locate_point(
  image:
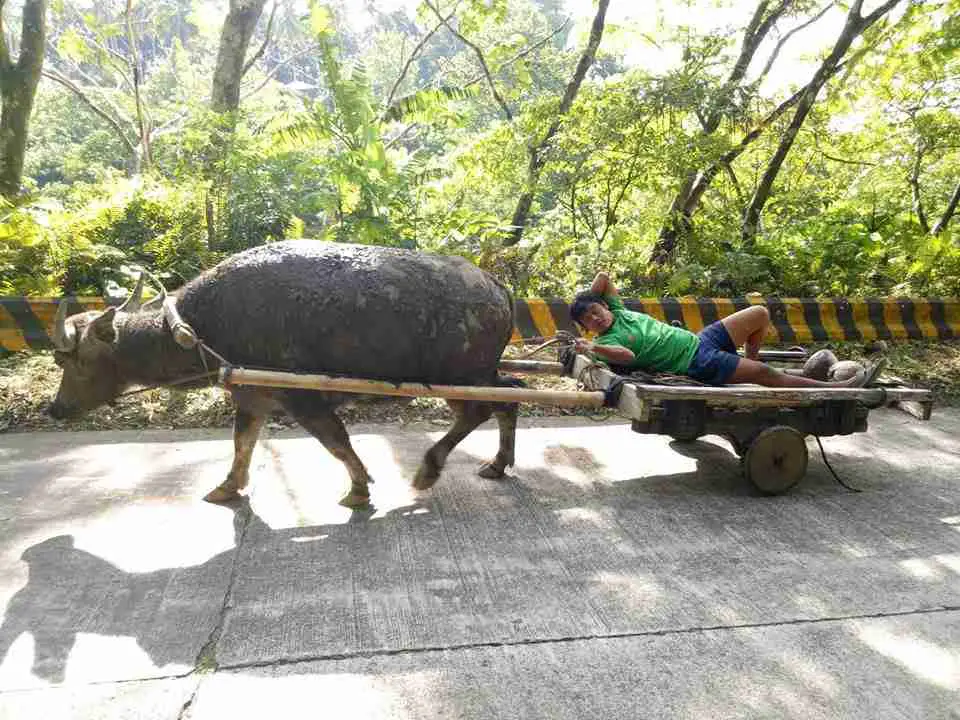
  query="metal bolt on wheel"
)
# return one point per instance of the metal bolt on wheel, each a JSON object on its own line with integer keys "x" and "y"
{"x": 776, "y": 460}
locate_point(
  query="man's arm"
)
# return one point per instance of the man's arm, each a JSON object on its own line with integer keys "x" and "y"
{"x": 617, "y": 354}
{"x": 603, "y": 285}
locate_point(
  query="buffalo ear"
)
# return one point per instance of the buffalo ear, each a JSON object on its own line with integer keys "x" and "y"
{"x": 102, "y": 327}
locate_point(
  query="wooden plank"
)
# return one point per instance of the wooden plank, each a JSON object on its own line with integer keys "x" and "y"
{"x": 277, "y": 379}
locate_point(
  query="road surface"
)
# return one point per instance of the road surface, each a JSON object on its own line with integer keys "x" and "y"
{"x": 612, "y": 575}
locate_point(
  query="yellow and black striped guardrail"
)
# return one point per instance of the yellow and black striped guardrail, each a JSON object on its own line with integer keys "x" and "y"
{"x": 26, "y": 323}
{"x": 793, "y": 320}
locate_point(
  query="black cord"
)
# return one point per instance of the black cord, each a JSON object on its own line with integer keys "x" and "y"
{"x": 830, "y": 468}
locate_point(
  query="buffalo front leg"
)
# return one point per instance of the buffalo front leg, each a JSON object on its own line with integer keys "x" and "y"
{"x": 469, "y": 414}
{"x": 507, "y": 422}
{"x": 326, "y": 427}
{"x": 246, "y": 430}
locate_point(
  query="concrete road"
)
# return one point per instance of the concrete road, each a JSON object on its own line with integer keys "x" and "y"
{"x": 613, "y": 575}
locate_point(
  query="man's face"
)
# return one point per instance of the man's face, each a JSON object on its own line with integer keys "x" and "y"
{"x": 596, "y": 318}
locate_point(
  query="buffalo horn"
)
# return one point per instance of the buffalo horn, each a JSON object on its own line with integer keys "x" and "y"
{"x": 156, "y": 300}
{"x": 64, "y": 339}
{"x": 132, "y": 303}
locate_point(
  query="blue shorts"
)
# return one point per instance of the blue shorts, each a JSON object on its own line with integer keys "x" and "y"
{"x": 716, "y": 358}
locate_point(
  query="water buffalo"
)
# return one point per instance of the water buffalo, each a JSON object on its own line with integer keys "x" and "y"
{"x": 336, "y": 308}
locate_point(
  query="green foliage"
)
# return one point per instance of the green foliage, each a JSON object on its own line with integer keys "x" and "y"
{"x": 27, "y": 252}
{"x": 147, "y": 223}
{"x": 329, "y": 144}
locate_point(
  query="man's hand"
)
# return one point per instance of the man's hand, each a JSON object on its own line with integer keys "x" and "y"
{"x": 583, "y": 346}
{"x": 603, "y": 285}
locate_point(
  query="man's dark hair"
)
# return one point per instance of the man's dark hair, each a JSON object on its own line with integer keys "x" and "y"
{"x": 583, "y": 301}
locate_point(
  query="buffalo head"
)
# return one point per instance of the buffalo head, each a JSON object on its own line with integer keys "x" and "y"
{"x": 85, "y": 347}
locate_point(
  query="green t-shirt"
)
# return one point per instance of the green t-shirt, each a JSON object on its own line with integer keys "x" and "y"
{"x": 658, "y": 347}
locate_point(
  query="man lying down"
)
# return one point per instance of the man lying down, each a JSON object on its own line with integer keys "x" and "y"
{"x": 637, "y": 341}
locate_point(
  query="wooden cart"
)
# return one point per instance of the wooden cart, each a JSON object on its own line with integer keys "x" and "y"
{"x": 767, "y": 427}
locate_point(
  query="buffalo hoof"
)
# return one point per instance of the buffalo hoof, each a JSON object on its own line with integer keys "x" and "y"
{"x": 221, "y": 495}
{"x": 491, "y": 471}
{"x": 425, "y": 478}
{"x": 355, "y": 501}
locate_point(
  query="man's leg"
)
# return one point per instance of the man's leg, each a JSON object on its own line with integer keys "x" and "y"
{"x": 758, "y": 373}
{"x": 748, "y": 327}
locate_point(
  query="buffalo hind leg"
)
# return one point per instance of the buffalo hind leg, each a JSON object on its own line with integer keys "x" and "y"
{"x": 507, "y": 422}
{"x": 246, "y": 429}
{"x": 326, "y": 427}
{"x": 470, "y": 414}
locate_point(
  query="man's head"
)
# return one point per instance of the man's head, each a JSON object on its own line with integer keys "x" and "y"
{"x": 591, "y": 312}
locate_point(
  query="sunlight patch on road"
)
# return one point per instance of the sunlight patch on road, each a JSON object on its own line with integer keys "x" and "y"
{"x": 922, "y": 658}
{"x": 346, "y": 695}
{"x": 296, "y": 482}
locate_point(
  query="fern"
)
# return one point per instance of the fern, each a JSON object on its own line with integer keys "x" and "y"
{"x": 422, "y": 104}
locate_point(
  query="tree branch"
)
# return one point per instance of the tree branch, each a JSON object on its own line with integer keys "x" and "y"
{"x": 914, "y": 181}
{"x": 4, "y": 51}
{"x": 688, "y": 198}
{"x": 111, "y": 53}
{"x": 266, "y": 41}
{"x": 728, "y": 168}
{"x": 78, "y": 91}
{"x": 275, "y": 69}
{"x": 845, "y": 161}
{"x": 948, "y": 213}
{"x": 118, "y": 113}
{"x": 479, "y": 53}
{"x": 520, "y": 214}
{"x": 413, "y": 55}
{"x": 523, "y": 53}
{"x": 753, "y": 36}
{"x": 783, "y": 41}
{"x": 138, "y": 100}
{"x": 393, "y": 141}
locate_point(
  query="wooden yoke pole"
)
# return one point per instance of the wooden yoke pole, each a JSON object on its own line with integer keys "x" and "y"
{"x": 272, "y": 378}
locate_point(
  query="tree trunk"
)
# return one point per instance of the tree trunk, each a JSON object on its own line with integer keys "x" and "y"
{"x": 677, "y": 224}
{"x": 537, "y": 151}
{"x": 235, "y": 37}
{"x": 143, "y": 158}
{"x": 914, "y": 181}
{"x": 854, "y": 26}
{"x": 18, "y": 87}
{"x": 688, "y": 198}
{"x": 948, "y": 213}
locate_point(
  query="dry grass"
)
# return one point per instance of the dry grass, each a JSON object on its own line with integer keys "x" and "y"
{"x": 28, "y": 381}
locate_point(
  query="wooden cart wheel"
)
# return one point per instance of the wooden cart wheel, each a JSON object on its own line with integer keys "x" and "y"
{"x": 776, "y": 459}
